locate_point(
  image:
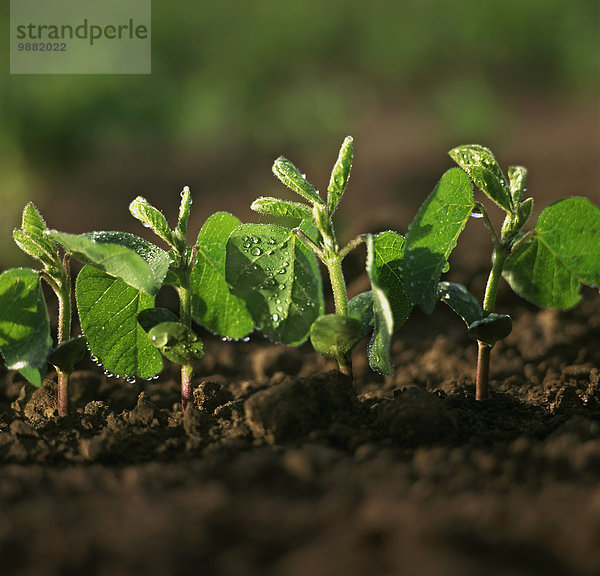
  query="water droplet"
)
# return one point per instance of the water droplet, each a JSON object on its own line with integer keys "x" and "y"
{"x": 282, "y": 270}
{"x": 247, "y": 245}
{"x": 246, "y": 339}
{"x": 476, "y": 215}
{"x": 282, "y": 286}
{"x": 275, "y": 317}
{"x": 255, "y": 240}
{"x": 256, "y": 251}
{"x": 109, "y": 374}
{"x": 271, "y": 241}
{"x": 279, "y": 309}
{"x": 130, "y": 380}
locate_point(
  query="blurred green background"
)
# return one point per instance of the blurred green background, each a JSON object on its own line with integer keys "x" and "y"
{"x": 235, "y": 83}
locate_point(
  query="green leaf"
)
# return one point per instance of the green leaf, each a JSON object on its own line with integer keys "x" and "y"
{"x": 389, "y": 259}
{"x": 134, "y": 260}
{"x": 549, "y": 268}
{"x": 276, "y": 207}
{"x": 479, "y": 163}
{"x": 31, "y": 238}
{"x": 517, "y": 176}
{"x": 108, "y": 311}
{"x": 380, "y": 358}
{"x": 214, "y": 305}
{"x": 361, "y": 308}
{"x": 340, "y": 174}
{"x": 184, "y": 212}
{"x": 151, "y": 218}
{"x": 24, "y": 325}
{"x": 150, "y": 317}
{"x": 433, "y": 234}
{"x": 176, "y": 342}
{"x": 295, "y": 180}
{"x": 67, "y": 354}
{"x": 278, "y": 277}
{"x": 335, "y": 336}
{"x": 459, "y": 299}
{"x": 492, "y": 328}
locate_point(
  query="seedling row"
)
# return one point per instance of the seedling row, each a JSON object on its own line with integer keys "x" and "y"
{"x": 240, "y": 277}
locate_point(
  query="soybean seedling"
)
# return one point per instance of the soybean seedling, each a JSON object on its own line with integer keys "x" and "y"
{"x": 546, "y": 265}
{"x": 25, "y": 340}
{"x": 275, "y": 270}
{"x": 126, "y": 334}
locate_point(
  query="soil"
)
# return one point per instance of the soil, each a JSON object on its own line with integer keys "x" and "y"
{"x": 284, "y": 467}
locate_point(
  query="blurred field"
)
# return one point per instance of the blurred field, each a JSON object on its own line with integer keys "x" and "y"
{"x": 236, "y": 83}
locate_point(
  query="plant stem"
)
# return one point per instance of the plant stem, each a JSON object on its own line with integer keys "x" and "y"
{"x": 185, "y": 315}
{"x": 64, "y": 333}
{"x": 340, "y": 299}
{"x": 500, "y": 254}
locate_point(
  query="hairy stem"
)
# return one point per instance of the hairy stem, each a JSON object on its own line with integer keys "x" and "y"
{"x": 187, "y": 370}
{"x": 64, "y": 333}
{"x": 340, "y": 299}
{"x": 500, "y": 254}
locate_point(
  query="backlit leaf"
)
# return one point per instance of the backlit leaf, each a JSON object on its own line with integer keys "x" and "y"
{"x": 24, "y": 325}
{"x": 214, "y": 305}
{"x": 389, "y": 257}
{"x": 151, "y": 218}
{"x": 134, "y": 260}
{"x": 479, "y": 163}
{"x": 433, "y": 234}
{"x": 108, "y": 312}
{"x": 340, "y": 174}
{"x": 563, "y": 253}
{"x": 277, "y": 207}
{"x": 295, "y": 180}
{"x": 380, "y": 358}
{"x": 279, "y": 279}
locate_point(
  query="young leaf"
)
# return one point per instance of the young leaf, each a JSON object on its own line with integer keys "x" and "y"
{"x": 151, "y": 218}
{"x": 134, "y": 260}
{"x": 295, "y": 180}
{"x": 176, "y": 342}
{"x": 517, "y": 176}
{"x": 389, "y": 255}
{"x": 433, "y": 234}
{"x": 108, "y": 311}
{"x": 31, "y": 238}
{"x": 24, "y": 325}
{"x": 334, "y": 335}
{"x": 340, "y": 175}
{"x": 278, "y": 278}
{"x": 380, "y": 358}
{"x": 457, "y": 297}
{"x": 66, "y": 355}
{"x": 549, "y": 268}
{"x": 479, "y": 163}
{"x": 184, "y": 212}
{"x": 214, "y": 305}
{"x": 276, "y": 207}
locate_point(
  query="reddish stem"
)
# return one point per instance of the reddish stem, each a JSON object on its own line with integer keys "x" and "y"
{"x": 483, "y": 371}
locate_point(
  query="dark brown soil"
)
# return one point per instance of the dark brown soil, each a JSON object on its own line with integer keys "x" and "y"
{"x": 282, "y": 468}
